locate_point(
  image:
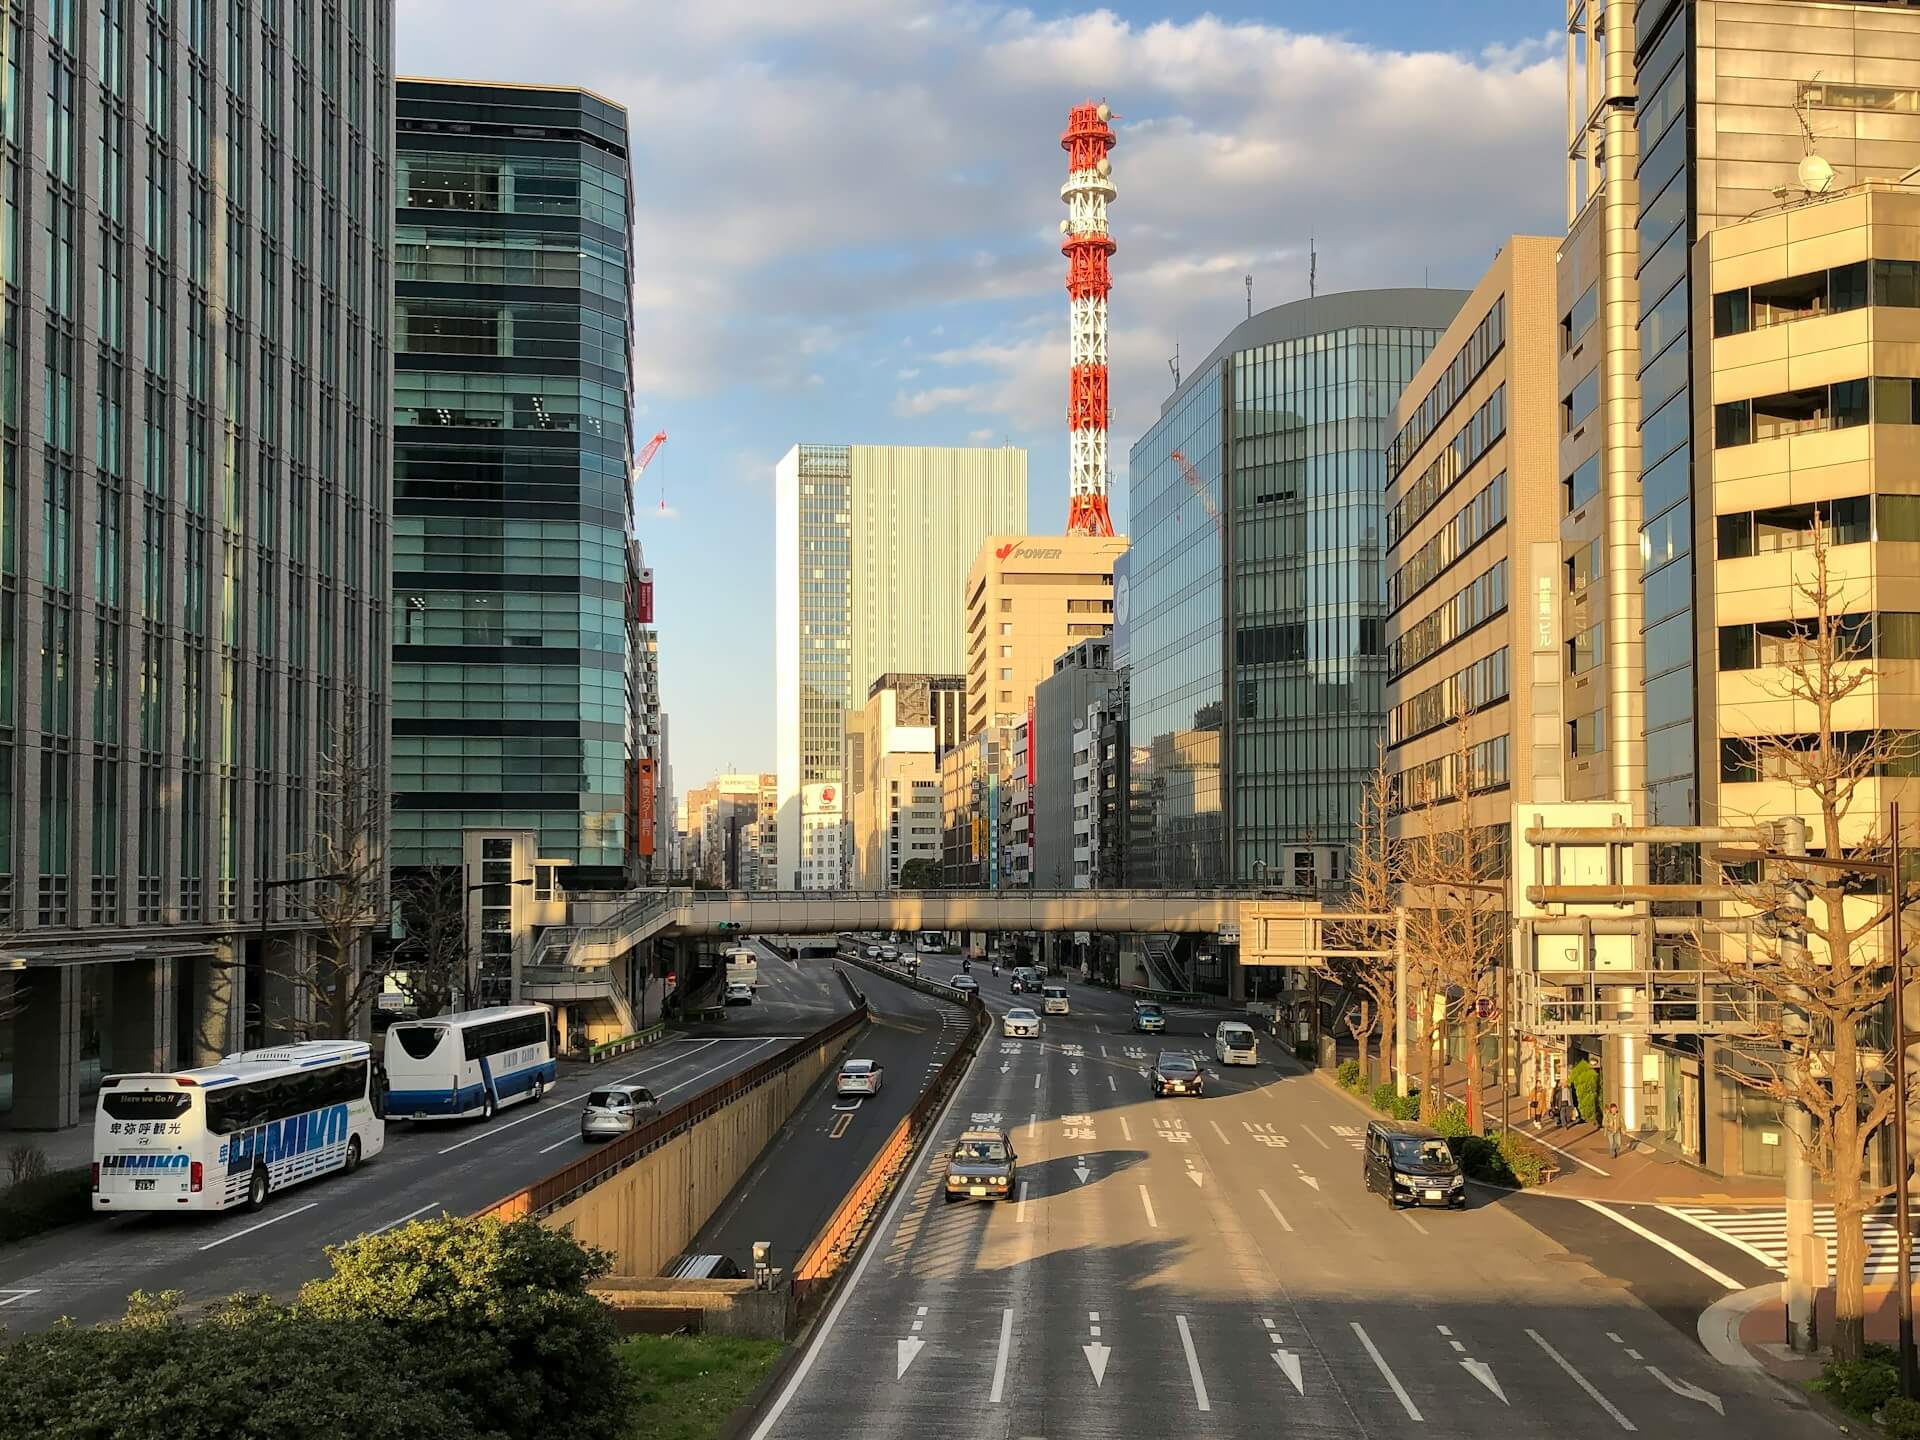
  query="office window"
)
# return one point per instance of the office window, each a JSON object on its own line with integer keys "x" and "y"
{"x": 1573, "y": 325}
{"x": 1586, "y": 734}
{"x": 1582, "y": 485}
{"x": 1579, "y": 402}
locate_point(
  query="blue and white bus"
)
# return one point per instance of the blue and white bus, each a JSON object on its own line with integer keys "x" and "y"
{"x": 232, "y": 1133}
{"x": 470, "y": 1063}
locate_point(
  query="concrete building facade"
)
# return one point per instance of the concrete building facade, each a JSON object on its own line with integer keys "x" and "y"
{"x": 871, "y": 546}
{"x": 1028, "y": 598}
{"x": 1060, "y": 779}
{"x": 895, "y": 743}
{"x": 1473, "y": 570}
{"x": 194, "y": 442}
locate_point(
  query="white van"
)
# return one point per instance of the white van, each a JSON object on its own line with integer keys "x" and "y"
{"x": 1053, "y": 999}
{"x": 1234, "y": 1044}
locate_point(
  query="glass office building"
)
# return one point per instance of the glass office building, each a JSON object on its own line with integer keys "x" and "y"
{"x": 1255, "y": 600}
{"x": 512, "y": 405}
{"x": 193, "y": 512}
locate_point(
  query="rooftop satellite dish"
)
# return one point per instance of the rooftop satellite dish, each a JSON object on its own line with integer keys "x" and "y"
{"x": 1816, "y": 175}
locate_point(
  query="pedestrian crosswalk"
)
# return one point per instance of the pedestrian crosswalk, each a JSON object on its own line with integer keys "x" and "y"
{"x": 1761, "y": 1231}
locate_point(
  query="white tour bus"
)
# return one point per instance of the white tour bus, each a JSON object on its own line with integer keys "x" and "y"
{"x": 743, "y": 966}
{"x": 230, "y": 1133}
{"x": 470, "y": 1063}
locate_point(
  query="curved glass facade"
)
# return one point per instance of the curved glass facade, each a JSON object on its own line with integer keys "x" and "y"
{"x": 512, "y": 414}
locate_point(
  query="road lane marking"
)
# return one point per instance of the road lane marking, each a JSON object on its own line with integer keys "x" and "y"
{"x": 1024, "y": 1216}
{"x": 1096, "y": 1352}
{"x": 1581, "y": 1380}
{"x": 1314, "y": 1135}
{"x": 1665, "y": 1244}
{"x": 382, "y": 1229}
{"x": 1216, "y": 1129}
{"x": 1688, "y": 1391}
{"x": 1193, "y": 1364}
{"x": 1033, "y": 1125}
{"x": 1125, "y": 1129}
{"x": 1000, "y": 1361}
{"x": 13, "y": 1297}
{"x": 1725, "y": 1238}
{"x": 563, "y": 1140}
{"x": 1414, "y": 1223}
{"x": 1393, "y": 1380}
{"x": 283, "y": 1215}
{"x": 1274, "y": 1210}
{"x": 1147, "y": 1201}
{"x": 1080, "y": 1168}
{"x": 540, "y": 1112}
{"x": 905, "y": 1352}
{"x": 840, "y": 1125}
{"x": 712, "y": 1069}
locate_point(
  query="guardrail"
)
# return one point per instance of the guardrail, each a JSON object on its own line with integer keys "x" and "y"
{"x": 625, "y": 1045}
{"x": 854, "y": 992}
{"x": 571, "y": 1181}
{"x": 1175, "y": 997}
{"x": 840, "y": 1238}
{"x": 901, "y": 976}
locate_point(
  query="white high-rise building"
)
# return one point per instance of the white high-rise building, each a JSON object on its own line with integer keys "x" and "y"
{"x": 871, "y": 550}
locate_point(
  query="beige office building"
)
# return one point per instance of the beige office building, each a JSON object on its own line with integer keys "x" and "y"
{"x": 1472, "y": 561}
{"x": 871, "y": 546}
{"x": 894, "y": 744}
{"x": 1028, "y": 599}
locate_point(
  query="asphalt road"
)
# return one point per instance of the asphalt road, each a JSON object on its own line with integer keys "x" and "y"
{"x": 807, "y": 1169}
{"x": 1213, "y": 1267}
{"x": 86, "y": 1271}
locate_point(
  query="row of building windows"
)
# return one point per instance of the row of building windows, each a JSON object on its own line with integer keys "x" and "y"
{"x": 563, "y": 260}
{"x": 1465, "y": 367}
{"x": 1880, "y": 400}
{"x": 1748, "y": 759}
{"x": 1470, "y": 442}
{"x": 514, "y": 185}
{"x": 1848, "y": 520}
{"x": 1818, "y": 292}
{"x": 1477, "y": 519}
{"x": 1863, "y": 635}
{"x": 1476, "y": 602}
{"x": 1469, "y": 689}
{"x": 1436, "y": 781}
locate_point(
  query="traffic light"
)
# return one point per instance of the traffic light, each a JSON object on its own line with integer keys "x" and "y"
{"x": 726, "y": 925}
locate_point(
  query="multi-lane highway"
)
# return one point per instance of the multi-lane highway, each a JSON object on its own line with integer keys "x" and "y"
{"x": 1214, "y": 1267}
{"x": 87, "y": 1270}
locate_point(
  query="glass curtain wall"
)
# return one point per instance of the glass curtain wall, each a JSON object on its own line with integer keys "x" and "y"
{"x": 512, "y": 434}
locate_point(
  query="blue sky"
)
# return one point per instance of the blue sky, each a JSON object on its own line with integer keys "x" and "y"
{"x": 848, "y": 215}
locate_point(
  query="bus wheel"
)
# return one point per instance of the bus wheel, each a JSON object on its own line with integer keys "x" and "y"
{"x": 488, "y": 1109}
{"x": 353, "y": 1154}
{"x": 539, "y": 1088}
{"x": 257, "y": 1188}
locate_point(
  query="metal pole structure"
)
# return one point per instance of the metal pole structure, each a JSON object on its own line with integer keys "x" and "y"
{"x": 1902, "y": 1223}
{"x": 1803, "y": 1274}
{"x": 1506, "y": 1042}
{"x": 1400, "y": 1001}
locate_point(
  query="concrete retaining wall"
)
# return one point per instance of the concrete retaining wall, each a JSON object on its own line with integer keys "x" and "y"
{"x": 647, "y": 1213}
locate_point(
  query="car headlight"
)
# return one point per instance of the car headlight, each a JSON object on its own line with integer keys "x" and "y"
{"x": 955, "y": 1181}
{"x": 1456, "y": 1182}
{"x": 1404, "y": 1181}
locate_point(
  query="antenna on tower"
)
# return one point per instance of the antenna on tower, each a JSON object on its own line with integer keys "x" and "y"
{"x": 1174, "y": 364}
{"x": 1313, "y": 269}
{"x": 1249, "y": 296}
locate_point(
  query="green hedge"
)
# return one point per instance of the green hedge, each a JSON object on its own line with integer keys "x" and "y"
{"x": 1506, "y": 1158}
{"x": 455, "y": 1329}
{"x": 1585, "y": 1081}
{"x": 1347, "y": 1074}
{"x": 1900, "y": 1418}
{"x": 45, "y": 1202}
{"x": 1860, "y": 1387}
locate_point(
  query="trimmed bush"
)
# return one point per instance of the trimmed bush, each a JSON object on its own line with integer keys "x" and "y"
{"x": 1347, "y": 1073}
{"x": 44, "y": 1201}
{"x": 1585, "y": 1081}
{"x": 1452, "y": 1121}
{"x": 1406, "y": 1107}
{"x": 1382, "y": 1098}
{"x": 1901, "y": 1418}
{"x": 497, "y": 1313}
{"x": 1528, "y": 1163}
{"x": 1861, "y": 1387}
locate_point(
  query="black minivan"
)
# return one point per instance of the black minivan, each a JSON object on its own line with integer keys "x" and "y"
{"x": 1412, "y": 1164}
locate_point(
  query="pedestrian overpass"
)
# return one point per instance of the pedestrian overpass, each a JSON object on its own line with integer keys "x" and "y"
{"x": 1269, "y": 929}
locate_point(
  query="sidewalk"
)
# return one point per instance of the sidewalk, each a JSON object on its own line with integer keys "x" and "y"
{"x": 1764, "y": 1330}
{"x": 1642, "y": 1174}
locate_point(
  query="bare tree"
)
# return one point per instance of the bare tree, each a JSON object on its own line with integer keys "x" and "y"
{"x": 430, "y": 966}
{"x": 1455, "y": 926}
{"x": 346, "y": 855}
{"x": 1372, "y": 889}
{"x": 1819, "y": 965}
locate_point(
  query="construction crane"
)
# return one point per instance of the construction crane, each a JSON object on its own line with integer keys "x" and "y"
{"x": 644, "y": 459}
{"x": 1199, "y": 488}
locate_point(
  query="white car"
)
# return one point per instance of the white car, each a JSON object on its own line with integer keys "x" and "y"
{"x": 860, "y": 1077}
{"x": 739, "y": 993}
{"x": 1234, "y": 1044}
{"x": 1020, "y": 1021}
{"x": 617, "y": 1110}
{"x": 873, "y": 952}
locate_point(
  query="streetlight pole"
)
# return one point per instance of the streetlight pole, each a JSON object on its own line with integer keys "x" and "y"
{"x": 1902, "y": 1221}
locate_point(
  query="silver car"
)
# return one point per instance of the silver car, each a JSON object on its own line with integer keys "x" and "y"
{"x": 860, "y": 1077}
{"x": 616, "y": 1110}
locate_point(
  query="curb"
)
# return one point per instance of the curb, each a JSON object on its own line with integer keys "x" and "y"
{"x": 1720, "y": 1323}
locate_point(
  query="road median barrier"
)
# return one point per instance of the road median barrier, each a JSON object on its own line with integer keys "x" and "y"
{"x": 626, "y": 1044}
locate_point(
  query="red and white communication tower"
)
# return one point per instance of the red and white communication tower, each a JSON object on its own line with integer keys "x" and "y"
{"x": 1088, "y": 140}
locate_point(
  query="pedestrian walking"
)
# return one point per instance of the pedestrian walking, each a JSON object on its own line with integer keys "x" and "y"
{"x": 1536, "y": 1104}
{"x": 1616, "y": 1130}
{"x": 1564, "y": 1113}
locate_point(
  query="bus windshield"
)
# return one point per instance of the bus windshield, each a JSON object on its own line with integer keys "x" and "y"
{"x": 419, "y": 1041}
{"x": 146, "y": 1104}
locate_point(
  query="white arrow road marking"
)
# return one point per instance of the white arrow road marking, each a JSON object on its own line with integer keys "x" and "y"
{"x": 1582, "y": 1381}
{"x": 904, "y": 1353}
{"x": 1193, "y": 1364}
{"x": 1688, "y": 1391}
{"x": 1306, "y": 1178}
{"x": 1081, "y": 1169}
{"x": 1393, "y": 1380}
{"x": 1005, "y": 1065}
{"x": 1097, "y": 1354}
{"x": 1483, "y": 1372}
{"x": 1000, "y": 1362}
{"x": 1073, "y": 1069}
{"x": 1289, "y": 1364}
{"x": 1195, "y": 1176}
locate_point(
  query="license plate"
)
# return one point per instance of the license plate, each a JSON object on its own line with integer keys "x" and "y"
{"x": 1435, "y": 1194}
{"x": 144, "y": 1184}
{"x": 978, "y": 1190}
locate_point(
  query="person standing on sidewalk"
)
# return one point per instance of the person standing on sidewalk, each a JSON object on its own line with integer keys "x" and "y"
{"x": 1615, "y": 1130}
{"x": 1536, "y": 1102}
